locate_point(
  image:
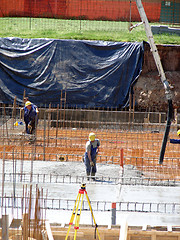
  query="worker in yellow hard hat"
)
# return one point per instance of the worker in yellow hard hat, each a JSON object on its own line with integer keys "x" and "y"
{"x": 26, "y": 99}
{"x": 92, "y": 149}
{"x": 30, "y": 117}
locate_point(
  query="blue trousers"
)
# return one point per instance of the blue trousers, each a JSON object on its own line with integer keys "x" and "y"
{"x": 90, "y": 169}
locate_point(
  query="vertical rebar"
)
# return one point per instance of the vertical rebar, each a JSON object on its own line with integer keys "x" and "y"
{"x": 61, "y": 108}
{"x": 3, "y": 135}
{"x": 22, "y": 154}
{"x": 49, "y": 122}
{"x": 14, "y": 112}
{"x": 44, "y": 148}
{"x": 30, "y": 207}
{"x": 3, "y": 172}
{"x": 32, "y": 160}
{"x": 133, "y": 105}
{"x": 6, "y": 125}
{"x": 57, "y": 118}
{"x": 64, "y": 115}
{"x": 14, "y": 176}
{"x": 130, "y": 103}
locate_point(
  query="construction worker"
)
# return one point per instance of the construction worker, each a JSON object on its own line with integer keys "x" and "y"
{"x": 30, "y": 117}
{"x": 92, "y": 149}
{"x": 23, "y": 109}
{"x": 176, "y": 140}
{"x": 26, "y": 99}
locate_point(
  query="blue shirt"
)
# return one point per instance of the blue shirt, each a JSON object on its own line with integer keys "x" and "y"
{"x": 30, "y": 115}
{"x": 92, "y": 147}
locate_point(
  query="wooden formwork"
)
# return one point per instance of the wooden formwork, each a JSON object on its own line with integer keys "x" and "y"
{"x": 116, "y": 233}
{"x": 88, "y": 233}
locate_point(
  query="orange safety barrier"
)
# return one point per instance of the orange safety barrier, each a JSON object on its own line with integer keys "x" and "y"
{"x": 87, "y": 9}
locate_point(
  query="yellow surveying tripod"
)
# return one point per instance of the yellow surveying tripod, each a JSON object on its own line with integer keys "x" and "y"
{"x": 77, "y": 212}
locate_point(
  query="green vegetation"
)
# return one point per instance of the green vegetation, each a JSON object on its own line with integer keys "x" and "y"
{"x": 78, "y": 29}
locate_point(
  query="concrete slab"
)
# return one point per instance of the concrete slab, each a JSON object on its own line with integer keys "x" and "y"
{"x": 107, "y": 192}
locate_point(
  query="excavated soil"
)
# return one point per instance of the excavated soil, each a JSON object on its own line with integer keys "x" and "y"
{"x": 149, "y": 90}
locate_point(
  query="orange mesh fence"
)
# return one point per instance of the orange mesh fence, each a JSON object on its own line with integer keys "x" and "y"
{"x": 116, "y": 10}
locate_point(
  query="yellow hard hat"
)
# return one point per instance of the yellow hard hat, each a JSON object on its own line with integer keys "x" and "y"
{"x": 178, "y": 132}
{"x": 92, "y": 137}
{"x": 27, "y": 103}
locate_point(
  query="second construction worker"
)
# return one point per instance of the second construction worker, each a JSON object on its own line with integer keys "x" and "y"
{"x": 92, "y": 149}
{"x": 30, "y": 117}
{"x": 176, "y": 141}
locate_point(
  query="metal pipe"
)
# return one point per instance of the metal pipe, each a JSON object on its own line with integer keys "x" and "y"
{"x": 166, "y": 133}
{"x": 162, "y": 76}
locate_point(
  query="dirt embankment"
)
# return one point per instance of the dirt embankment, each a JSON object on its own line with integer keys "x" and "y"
{"x": 149, "y": 90}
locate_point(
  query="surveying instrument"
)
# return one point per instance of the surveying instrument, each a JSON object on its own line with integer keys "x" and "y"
{"x": 77, "y": 212}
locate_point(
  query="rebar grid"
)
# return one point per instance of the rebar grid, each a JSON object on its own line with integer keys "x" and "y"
{"x": 56, "y": 178}
{"x": 64, "y": 204}
{"x": 56, "y": 143}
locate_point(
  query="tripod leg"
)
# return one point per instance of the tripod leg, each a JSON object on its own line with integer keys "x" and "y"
{"x": 76, "y": 226}
{"x": 96, "y": 226}
{"x": 73, "y": 214}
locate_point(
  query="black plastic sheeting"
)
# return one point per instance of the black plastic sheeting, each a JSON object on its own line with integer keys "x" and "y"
{"x": 93, "y": 73}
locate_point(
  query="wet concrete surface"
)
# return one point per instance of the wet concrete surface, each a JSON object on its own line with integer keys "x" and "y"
{"x": 106, "y": 192}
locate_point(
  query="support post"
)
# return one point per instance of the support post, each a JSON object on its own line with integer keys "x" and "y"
{"x": 48, "y": 230}
{"x": 113, "y": 216}
{"x": 123, "y": 231}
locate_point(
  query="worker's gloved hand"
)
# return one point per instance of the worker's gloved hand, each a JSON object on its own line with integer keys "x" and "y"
{"x": 92, "y": 164}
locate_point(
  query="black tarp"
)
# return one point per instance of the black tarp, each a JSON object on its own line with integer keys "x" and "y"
{"x": 93, "y": 73}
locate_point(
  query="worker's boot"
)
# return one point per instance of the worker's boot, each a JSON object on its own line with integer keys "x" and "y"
{"x": 93, "y": 176}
